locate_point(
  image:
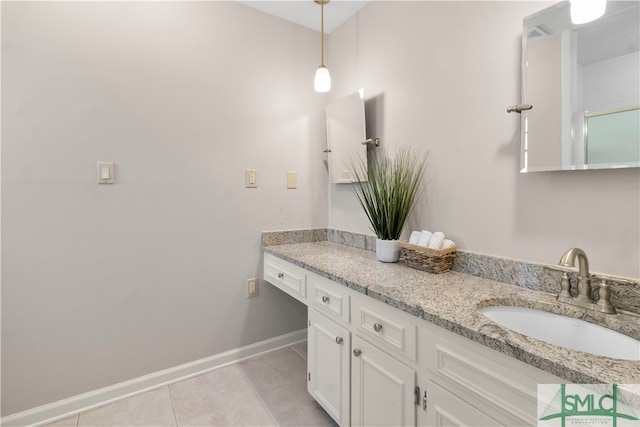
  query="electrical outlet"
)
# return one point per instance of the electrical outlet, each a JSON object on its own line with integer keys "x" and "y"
{"x": 251, "y": 178}
{"x": 252, "y": 288}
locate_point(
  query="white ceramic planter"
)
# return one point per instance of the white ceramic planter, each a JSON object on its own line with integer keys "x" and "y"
{"x": 388, "y": 250}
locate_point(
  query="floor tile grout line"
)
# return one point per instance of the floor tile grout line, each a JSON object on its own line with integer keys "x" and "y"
{"x": 173, "y": 406}
{"x": 77, "y": 422}
{"x": 255, "y": 390}
{"x": 298, "y": 352}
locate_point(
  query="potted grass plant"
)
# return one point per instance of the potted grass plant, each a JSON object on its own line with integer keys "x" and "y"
{"x": 387, "y": 187}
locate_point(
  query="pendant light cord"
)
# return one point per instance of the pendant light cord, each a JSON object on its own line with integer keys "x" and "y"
{"x": 322, "y": 33}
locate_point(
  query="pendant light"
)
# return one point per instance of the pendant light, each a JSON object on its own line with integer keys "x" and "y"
{"x": 322, "y": 81}
{"x": 583, "y": 11}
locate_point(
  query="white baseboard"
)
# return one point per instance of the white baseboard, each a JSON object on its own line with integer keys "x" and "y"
{"x": 74, "y": 405}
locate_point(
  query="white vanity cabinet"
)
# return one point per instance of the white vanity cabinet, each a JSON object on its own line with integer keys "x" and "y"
{"x": 371, "y": 364}
{"x": 357, "y": 349}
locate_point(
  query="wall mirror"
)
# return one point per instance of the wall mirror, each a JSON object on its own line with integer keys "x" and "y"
{"x": 346, "y": 132}
{"x": 583, "y": 83}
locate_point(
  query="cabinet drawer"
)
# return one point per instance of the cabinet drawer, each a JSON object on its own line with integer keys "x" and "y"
{"x": 328, "y": 298}
{"x": 386, "y": 328}
{"x": 500, "y": 386}
{"x": 286, "y": 277}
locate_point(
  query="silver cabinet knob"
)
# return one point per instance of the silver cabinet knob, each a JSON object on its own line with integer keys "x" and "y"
{"x": 339, "y": 340}
{"x": 357, "y": 352}
{"x": 280, "y": 275}
{"x": 325, "y": 299}
{"x": 377, "y": 327}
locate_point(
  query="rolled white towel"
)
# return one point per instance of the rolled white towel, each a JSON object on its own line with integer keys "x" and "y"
{"x": 415, "y": 236}
{"x": 424, "y": 239}
{"x": 436, "y": 240}
{"x": 446, "y": 244}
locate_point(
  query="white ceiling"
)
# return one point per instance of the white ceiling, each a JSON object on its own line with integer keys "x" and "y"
{"x": 307, "y": 12}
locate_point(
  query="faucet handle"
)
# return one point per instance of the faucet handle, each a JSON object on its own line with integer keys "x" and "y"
{"x": 604, "y": 302}
{"x": 565, "y": 287}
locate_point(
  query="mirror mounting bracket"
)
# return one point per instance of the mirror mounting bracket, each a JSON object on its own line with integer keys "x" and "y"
{"x": 519, "y": 108}
{"x": 374, "y": 141}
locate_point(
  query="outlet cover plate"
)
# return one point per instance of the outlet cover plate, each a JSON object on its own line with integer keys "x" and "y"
{"x": 251, "y": 178}
{"x": 252, "y": 288}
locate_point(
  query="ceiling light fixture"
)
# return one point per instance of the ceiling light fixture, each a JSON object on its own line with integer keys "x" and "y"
{"x": 322, "y": 81}
{"x": 583, "y": 11}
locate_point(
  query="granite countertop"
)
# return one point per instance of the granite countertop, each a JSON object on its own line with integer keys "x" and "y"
{"x": 452, "y": 300}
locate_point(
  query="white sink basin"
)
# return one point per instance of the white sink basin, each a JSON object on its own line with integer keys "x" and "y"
{"x": 565, "y": 331}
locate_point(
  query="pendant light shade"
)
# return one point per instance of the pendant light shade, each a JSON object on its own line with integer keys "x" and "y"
{"x": 583, "y": 11}
{"x": 322, "y": 80}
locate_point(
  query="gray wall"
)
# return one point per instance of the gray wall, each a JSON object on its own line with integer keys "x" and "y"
{"x": 102, "y": 284}
{"x": 439, "y": 75}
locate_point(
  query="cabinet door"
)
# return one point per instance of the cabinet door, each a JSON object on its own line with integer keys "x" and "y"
{"x": 447, "y": 409}
{"x": 328, "y": 362}
{"x": 382, "y": 388}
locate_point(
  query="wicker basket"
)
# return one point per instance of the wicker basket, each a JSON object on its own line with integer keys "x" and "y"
{"x": 427, "y": 259}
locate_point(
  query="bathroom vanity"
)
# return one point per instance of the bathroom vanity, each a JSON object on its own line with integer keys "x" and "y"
{"x": 390, "y": 345}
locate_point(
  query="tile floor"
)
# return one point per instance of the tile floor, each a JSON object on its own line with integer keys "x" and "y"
{"x": 266, "y": 390}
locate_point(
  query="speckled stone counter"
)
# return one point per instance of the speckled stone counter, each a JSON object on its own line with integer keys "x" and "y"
{"x": 452, "y": 300}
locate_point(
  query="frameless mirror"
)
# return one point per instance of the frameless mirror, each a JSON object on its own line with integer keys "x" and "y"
{"x": 583, "y": 83}
{"x": 345, "y": 136}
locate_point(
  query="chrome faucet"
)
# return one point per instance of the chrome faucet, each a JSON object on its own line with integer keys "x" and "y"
{"x": 583, "y": 299}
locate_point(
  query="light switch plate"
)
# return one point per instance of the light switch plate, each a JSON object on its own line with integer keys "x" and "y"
{"x": 105, "y": 173}
{"x": 292, "y": 179}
